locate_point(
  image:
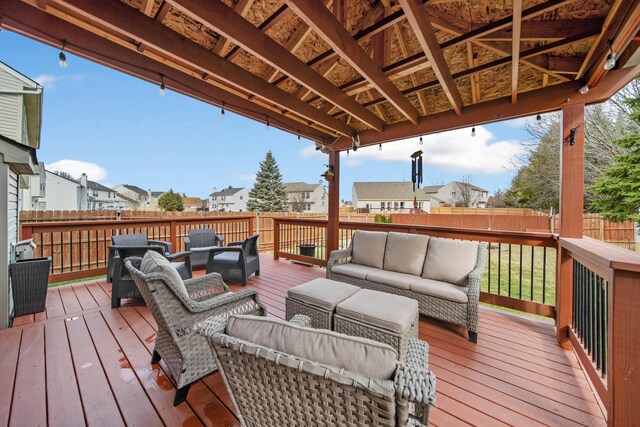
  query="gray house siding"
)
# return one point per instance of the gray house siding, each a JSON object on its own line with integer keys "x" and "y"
{"x": 11, "y": 112}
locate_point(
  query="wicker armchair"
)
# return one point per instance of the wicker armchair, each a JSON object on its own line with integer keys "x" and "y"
{"x": 199, "y": 242}
{"x": 136, "y": 239}
{"x": 270, "y": 387}
{"x": 123, "y": 285}
{"x": 237, "y": 261}
{"x": 175, "y": 311}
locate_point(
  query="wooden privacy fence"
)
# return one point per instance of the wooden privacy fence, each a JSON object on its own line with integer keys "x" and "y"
{"x": 618, "y": 233}
{"x": 79, "y": 249}
{"x": 485, "y": 222}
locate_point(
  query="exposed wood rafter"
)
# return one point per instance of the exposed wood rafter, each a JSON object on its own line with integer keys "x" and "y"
{"x": 221, "y": 18}
{"x": 516, "y": 18}
{"x": 419, "y": 20}
{"x": 223, "y": 43}
{"x": 334, "y": 34}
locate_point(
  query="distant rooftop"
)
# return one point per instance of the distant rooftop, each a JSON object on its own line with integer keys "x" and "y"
{"x": 294, "y": 187}
{"x": 226, "y": 192}
{"x": 388, "y": 191}
{"x": 135, "y": 189}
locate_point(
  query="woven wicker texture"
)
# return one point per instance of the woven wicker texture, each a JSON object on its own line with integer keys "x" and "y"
{"x": 320, "y": 318}
{"x": 349, "y": 326}
{"x": 186, "y": 353}
{"x": 449, "y": 311}
{"x": 29, "y": 283}
{"x": 269, "y": 388}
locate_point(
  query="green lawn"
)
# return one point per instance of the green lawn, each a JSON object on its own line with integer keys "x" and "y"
{"x": 497, "y": 267}
{"x": 68, "y": 282}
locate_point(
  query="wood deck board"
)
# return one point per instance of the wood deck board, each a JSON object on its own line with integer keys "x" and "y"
{"x": 515, "y": 375}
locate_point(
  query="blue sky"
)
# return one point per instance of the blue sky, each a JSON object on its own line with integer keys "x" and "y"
{"x": 119, "y": 130}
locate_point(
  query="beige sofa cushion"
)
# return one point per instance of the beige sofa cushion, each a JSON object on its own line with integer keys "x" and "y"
{"x": 405, "y": 253}
{"x": 355, "y": 271}
{"x": 153, "y": 262}
{"x": 450, "y": 260}
{"x": 438, "y": 289}
{"x": 393, "y": 312}
{"x": 368, "y": 248}
{"x": 392, "y": 278}
{"x": 323, "y": 293}
{"x": 360, "y": 355}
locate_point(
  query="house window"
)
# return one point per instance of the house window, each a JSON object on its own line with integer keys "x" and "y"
{"x": 381, "y": 205}
{"x": 42, "y": 206}
{"x": 395, "y": 205}
{"x": 453, "y": 194}
{"x": 401, "y": 205}
{"x": 241, "y": 199}
{"x": 308, "y": 206}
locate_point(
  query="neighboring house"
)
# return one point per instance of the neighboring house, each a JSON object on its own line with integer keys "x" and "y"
{"x": 229, "y": 200}
{"x": 136, "y": 195}
{"x": 20, "y": 125}
{"x": 457, "y": 193}
{"x": 388, "y": 197}
{"x": 151, "y": 203}
{"x": 100, "y": 197}
{"x": 193, "y": 204}
{"x": 303, "y": 197}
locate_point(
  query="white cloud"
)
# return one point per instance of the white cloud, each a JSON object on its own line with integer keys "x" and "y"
{"x": 456, "y": 150}
{"x": 48, "y": 80}
{"x": 75, "y": 168}
{"x": 250, "y": 177}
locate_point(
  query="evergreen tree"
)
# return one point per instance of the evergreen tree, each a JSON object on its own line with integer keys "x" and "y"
{"x": 171, "y": 201}
{"x": 268, "y": 193}
{"x": 617, "y": 190}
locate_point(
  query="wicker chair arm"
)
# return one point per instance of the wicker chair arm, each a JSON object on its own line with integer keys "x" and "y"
{"x": 417, "y": 354}
{"x": 235, "y": 243}
{"x": 415, "y": 384}
{"x": 340, "y": 256}
{"x": 301, "y": 320}
{"x": 247, "y": 295}
{"x": 187, "y": 243}
{"x": 167, "y": 245}
{"x": 210, "y": 281}
{"x": 211, "y": 326}
{"x": 178, "y": 255}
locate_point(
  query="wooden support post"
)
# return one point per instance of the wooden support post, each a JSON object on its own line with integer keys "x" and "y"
{"x": 571, "y": 211}
{"x": 276, "y": 238}
{"x": 173, "y": 236}
{"x": 333, "y": 223}
{"x": 252, "y": 225}
{"x": 623, "y": 374}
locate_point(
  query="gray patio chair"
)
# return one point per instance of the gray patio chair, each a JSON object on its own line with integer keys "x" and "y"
{"x": 282, "y": 374}
{"x": 136, "y": 239}
{"x": 176, "y": 306}
{"x": 199, "y": 242}
{"x": 237, "y": 261}
{"x": 123, "y": 285}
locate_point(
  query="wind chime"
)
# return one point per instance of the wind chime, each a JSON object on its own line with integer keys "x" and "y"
{"x": 416, "y": 174}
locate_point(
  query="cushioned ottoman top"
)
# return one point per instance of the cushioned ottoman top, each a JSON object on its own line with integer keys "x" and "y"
{"x": 387, "y": 311}
{"x": 323, "y": 293}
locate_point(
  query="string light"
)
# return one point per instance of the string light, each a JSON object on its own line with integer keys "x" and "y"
{"x": 62, "y": 58}
{"x": 380, "y": 147}
{"x": 298, "y": 135}
{"x": 420, "y": 142}
{"x": 611, "y": 59}
{"x": 268, "y": 124}
{"x": 473, "y": 131}
{"x": 347, "y": 153}
{"x": 584, "y": 90}
{"x": 162, "y": 85}
{"x": 538, "y": 118}
{"x": 222, "y": 111}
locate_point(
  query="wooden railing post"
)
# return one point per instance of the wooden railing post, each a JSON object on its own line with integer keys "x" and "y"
{"x": 252, "y": 225}
{"x": 571, "y": 211}
{"x": 26, "y": 232}
{"x": 276, "y": 238}
{"x": 333, "y": 225}
{"x": 173, "y": 235}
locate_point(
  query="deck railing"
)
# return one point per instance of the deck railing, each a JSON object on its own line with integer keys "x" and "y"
{"x": 520, "y": 267}
{"x": 598, "y": 314}
{"x": 80, "y": 249}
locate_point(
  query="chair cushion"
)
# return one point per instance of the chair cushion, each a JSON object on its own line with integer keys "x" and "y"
{"x": 153, "y": 262}
{"x": 323, "y": 293}
{"x": 405, "y": 253}
{"x": 356, "y": 271}
{"x": 359, "y": 355}
{"x": 226, "y": 257}
{"x": 392, "y": 278}
{"x": 438, "y": 289}
{"x": 450, "y": 260}
{"x": 368, "y": 248}
{"x": 393, "y": 312}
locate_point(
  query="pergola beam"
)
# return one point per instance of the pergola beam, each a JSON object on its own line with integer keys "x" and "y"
{"x": 515, "y": 48}
{"x": 336, "y": 36}
{"x": 124, "y": 19}
{"x": 17, "y": 17}
{"x": 419, "y": 20}
{"x": 548, "y": 99}
{"x": 221, "y": 18}
{"x": 223, "y": 43}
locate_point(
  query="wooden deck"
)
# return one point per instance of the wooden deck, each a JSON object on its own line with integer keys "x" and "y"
{"x": 82, "y": 362}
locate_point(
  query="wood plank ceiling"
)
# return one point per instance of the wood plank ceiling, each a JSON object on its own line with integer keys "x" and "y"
{"x": 329, "y": 70}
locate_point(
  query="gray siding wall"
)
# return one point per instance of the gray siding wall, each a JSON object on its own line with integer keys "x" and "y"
{"x": 10, "y": 107}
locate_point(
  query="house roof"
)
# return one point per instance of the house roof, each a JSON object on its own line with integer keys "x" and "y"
{"x": 123, "y": 197}
{"x": 32, "y": 103}
{"x": 385, "y": 191}
{"x": 474, "y": 187}
{"x": 134, "y": 188}
{"x": 227, "y": 192}
{"x": 191, "y": 201}
{"x": 92, "y": 185}
{"x": 431, "y": 188}
{"x": 294, "y": 187}
{"x": 157, "y": 193}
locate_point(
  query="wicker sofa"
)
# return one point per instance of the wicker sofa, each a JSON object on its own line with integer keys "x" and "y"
{"x": 443, "y": 275}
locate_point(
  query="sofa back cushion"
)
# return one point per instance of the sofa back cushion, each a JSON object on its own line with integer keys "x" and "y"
{"x": 368, "y": 248}
{"x": 405, "y": 253}
{"x": 450, "y": 260}
{"x": 153, "y": 262}
{"x": 360, "y": 355}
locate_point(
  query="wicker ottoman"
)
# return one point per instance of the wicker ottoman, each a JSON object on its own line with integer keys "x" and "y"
{"x": 390, "y": 319}
{"x": 318, "y": 299}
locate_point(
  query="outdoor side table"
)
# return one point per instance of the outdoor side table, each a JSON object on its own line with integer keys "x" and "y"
{"x": 387, "y": 318}
{"x": 318, "y": 300}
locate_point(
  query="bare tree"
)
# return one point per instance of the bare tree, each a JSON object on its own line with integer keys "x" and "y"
{"x": 496, "y": 200}
{"x": 297, "y": 202}
{"x": 467, "y": 197}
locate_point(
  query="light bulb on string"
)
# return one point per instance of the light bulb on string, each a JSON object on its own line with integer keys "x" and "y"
{"x": 611, "y": 59}
{"x": 222, "y": 111}
{"x": 347, "y": 153}
{"x": 162, "y": 85}
{"x": 380, "y": 147}
{"x": 473, "y": 131}
{"x": 420, "y": 142}
{"x": 62, "y": 58}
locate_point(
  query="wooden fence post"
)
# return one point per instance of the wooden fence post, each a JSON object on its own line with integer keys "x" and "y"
{"x": 173, "y": 235}
{"x": 276, "y": 238}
